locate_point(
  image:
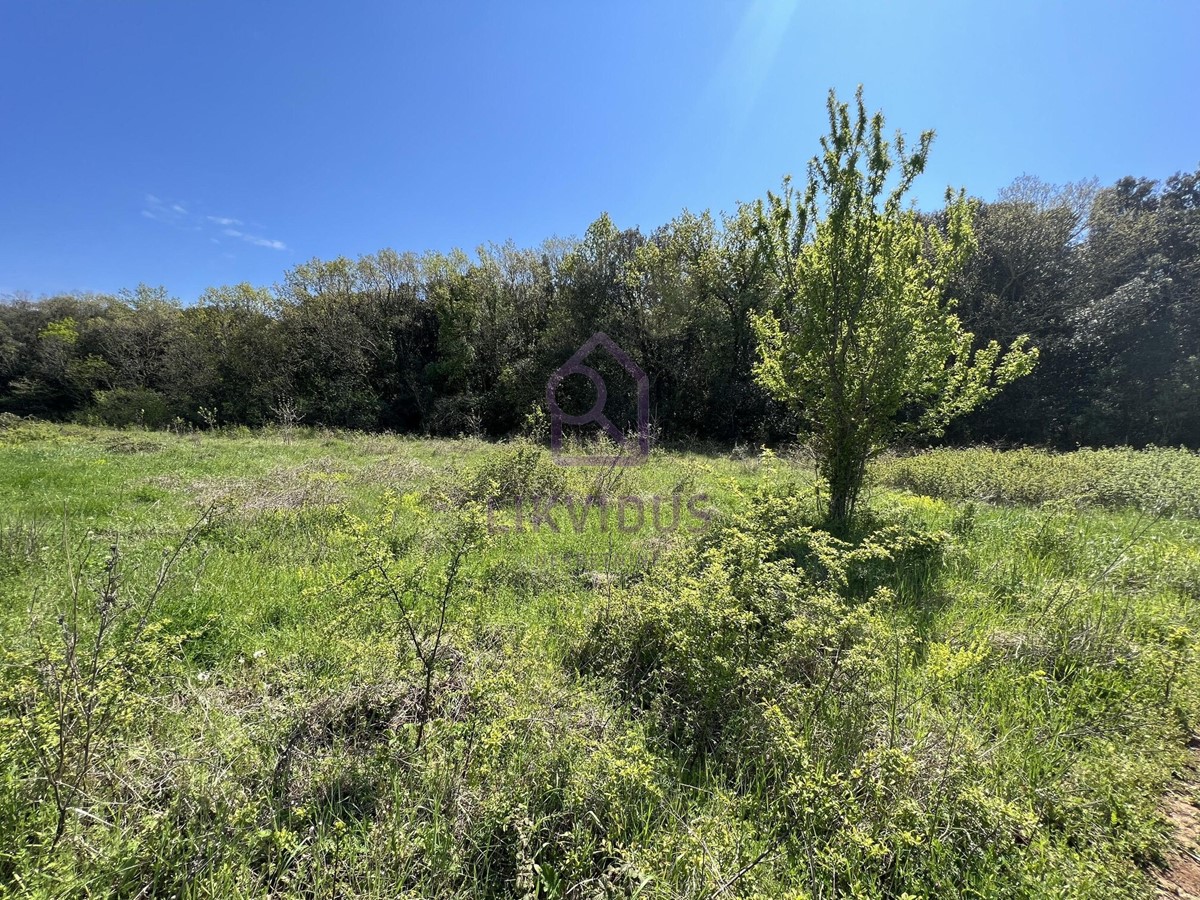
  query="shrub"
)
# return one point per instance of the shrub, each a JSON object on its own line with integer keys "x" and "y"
{"x": 522, "y": 470}
{"x": 122, "y": 407}
{"x": 764, "y": 605}
{"x": 15, "y": 430}
{"x": 768, "y": 655}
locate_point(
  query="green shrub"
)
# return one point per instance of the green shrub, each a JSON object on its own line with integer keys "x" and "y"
{"x": 122, "y": 407}
{"x": 763, "y": 602}
{"x": 15, "y": 430}
{"x": 799, "y": 672}
{"x": 522, "y": 470}
{"x": 767, "y": 653}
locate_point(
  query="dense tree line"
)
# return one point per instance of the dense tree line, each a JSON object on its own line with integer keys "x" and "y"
{"x": 1105, "y": 281}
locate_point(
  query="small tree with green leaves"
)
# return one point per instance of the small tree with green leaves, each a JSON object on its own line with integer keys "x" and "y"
{"x": 861, "y": 339}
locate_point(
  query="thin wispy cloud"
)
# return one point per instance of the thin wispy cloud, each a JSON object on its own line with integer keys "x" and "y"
{"x": 255, "y": 239}
{"x": 161, "y": 211}
{"x": 176, "y": 213}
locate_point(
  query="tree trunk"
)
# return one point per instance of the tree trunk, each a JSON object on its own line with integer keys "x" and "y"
{"x": 844, "y": 472}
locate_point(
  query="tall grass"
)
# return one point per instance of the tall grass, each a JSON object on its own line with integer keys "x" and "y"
{"x": 961, "y": 698}
{"x": 1152, "y": 480}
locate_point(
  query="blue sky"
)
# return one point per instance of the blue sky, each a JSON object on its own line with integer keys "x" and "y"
{"x": 191, "y": 144}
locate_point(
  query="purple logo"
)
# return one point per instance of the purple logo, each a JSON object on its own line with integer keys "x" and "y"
{"x": 629, "y": 453}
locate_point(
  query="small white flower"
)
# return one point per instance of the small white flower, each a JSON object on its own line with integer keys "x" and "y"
{"x": 203, "y": 676}
{"x": 259, "y": 654}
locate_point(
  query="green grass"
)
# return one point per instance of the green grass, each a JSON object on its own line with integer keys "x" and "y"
{"x": 982, "y": 692}
{"x": 1155, "y": 480}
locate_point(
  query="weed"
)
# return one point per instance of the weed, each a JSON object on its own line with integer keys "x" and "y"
{"x": 359, "y": 692}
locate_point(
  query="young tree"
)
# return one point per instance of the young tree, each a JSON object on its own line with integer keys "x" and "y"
{"x": 861, "y": 340}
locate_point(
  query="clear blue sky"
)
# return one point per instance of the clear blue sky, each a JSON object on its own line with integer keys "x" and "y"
{"x": 189, "y": 144}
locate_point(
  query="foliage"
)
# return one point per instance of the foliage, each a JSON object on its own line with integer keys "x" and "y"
{"x": 862, "y": 342}
{"x": 773, "y": 659}
{"x": 954, "y": 698}
{"x": 123, "y": 407}
{"x": 763, "y": 602}
{"x": 522, "y": 471}
{"x": 1098, "y": 276}
{"x": 83, "y": 685}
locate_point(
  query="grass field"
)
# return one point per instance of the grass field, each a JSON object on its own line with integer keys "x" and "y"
{"x": 335, "y": 664}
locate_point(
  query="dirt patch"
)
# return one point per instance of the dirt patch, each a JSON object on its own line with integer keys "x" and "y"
{"x": 1180, "y": 875}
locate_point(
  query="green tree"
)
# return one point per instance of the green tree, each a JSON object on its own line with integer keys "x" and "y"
{"x": 327, "y": 321}
{"x": 228, "y": 355}
{"x": 861, "y": 340}
{"x": 10, "y": 351}
{"x": 1140, "y": 324}
{"x": 136, "y": 336}
{"x": 1026, "y": 278}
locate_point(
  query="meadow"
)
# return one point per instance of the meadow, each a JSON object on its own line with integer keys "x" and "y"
{"x": 303, "y": 663}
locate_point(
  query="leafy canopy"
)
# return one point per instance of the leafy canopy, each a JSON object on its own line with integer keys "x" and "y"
{"x": 861, "y": 339}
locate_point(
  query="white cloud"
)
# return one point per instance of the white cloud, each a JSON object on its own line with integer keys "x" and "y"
{"x": 256, "y": 240}
{"x": 265, "y": 242}
{"x": 176, "y": 213}
{"x": 161, "y": 211}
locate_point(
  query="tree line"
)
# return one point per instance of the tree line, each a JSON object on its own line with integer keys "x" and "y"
{"x": 1105, "y": 281}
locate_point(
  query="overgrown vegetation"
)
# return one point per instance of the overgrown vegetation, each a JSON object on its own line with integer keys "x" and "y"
{"x": 1154, "y": 480}
{"x": 351, "y": 685}
{"x": 1102, "y": 279}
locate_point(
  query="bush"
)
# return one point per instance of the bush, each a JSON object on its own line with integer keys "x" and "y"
{"x": 769, "y": 656}
{"x": 785, "y": 666}
{"x": 123, "y": 407}
{"x": 16, "y": 430}
{"x": 521, "y": 471}
{"x": 760, "y": 606}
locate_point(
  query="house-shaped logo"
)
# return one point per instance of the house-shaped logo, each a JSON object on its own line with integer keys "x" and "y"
{"x": 630, "y": 451}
